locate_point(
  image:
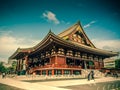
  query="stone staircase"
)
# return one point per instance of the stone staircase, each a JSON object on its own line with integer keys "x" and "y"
{"x": 97, "y": 73}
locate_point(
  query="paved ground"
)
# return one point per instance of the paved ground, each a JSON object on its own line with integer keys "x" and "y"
{"x": 27, "y": 85}
{"x": 114, "y": 85}
{"x": 75, "y": 84}
{"x": 6, "y": 87}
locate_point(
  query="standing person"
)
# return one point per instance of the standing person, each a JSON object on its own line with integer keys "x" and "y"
{"x": 89, "y": 74}
{"x": 92, "y": 75}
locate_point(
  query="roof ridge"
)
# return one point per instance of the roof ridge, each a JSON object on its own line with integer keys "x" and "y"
{"x": 78, "y": 23}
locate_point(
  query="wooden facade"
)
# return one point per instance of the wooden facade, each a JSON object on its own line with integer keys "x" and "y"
{"x": 63, "y": 54}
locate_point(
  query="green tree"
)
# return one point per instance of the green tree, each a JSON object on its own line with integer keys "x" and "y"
{"x": 14, "y": 64}
{"x": 117, "y": 63}
{"x": 2, "y": 68}
{"x": 12, "y": 68}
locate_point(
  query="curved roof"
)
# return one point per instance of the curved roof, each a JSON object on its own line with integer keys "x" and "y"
{"x": 51, "y": 37}
{"x": 76, "y": 27}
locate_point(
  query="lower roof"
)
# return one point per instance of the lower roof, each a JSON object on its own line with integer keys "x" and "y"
{"x": 50, "y": 38}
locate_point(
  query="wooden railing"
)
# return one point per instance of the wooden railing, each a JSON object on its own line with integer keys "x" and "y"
{"x": 54, "y": 66}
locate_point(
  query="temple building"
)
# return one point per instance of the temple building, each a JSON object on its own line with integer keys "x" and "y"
{"x": 64, "y": 54}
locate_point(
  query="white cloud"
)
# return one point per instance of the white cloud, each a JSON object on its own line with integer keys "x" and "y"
{"x": 51, "y": 17}
{"x": 5, "y": 32}
{"x": 9, "y": 44}
{"x": 111, "y": 45}
{"x": 89, "y": 24}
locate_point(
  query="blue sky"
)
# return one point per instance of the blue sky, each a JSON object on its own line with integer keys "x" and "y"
{"x": 24, "y": 23}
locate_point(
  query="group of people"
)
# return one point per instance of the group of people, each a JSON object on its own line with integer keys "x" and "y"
{"x": 91, "y": 76}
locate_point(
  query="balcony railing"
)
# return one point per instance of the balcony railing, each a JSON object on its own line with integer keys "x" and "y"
{"x": 55, "y": 66}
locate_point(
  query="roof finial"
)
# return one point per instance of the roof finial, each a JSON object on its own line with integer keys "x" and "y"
{"x": 50, "y": 30}
{"x": 78, "y": 22}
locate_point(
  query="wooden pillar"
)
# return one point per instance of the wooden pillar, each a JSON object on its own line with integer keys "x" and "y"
{"x": 71, "y": 72}
{"x": 47, "y": 72}
{"x": 17, "y": 67}
{"x": 52, "y": 71}
{"x": 50, "y": 59}
{"x": 62, "y": 72}
{"x": 24, "y": 64}
{"x": 94, "y": 64}
{"x": 85, "y": 66}
{"x": 19, "y": 64}
{"x": 55, "y": 59}
{"x": 26, "y": 61}
{"x": 40, "y": 72}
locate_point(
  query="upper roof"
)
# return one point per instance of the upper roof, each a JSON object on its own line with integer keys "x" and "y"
{"x": 61, "y": 39}
{"x": 74, "y": 30}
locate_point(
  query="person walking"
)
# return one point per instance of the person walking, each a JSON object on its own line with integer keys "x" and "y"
{"x": 89, "y": 76}
{"x": 92, "y": 75}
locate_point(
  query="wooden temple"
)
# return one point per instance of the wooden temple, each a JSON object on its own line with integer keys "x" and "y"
{"x": 64, "y": 54}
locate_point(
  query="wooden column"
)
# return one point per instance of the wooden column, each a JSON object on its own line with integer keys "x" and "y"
{"x": 85, "y": 66}
{"x": 40, "y": 72}
{"x": 62, "y": 72}
{"x": 26, "y": 62}
{"x": 17, "y": 67}
{"x": 52, "y": 71}
{"x": 50, "y": 59}
{"x": 56, "y": 59}
{"x": 19, "y": 64}
{"x": 47, "y": 72}
{"x": 71, "y": 72}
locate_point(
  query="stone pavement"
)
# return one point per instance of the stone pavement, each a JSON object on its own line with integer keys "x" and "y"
{"x": 77, "y": 82}
{"x": 52, "y": 85}
{"x": 27, "y": 85}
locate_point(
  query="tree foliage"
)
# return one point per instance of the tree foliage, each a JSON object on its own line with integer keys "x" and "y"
{"x": 2, "y": 68}
{"x": 117, "y": 63}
